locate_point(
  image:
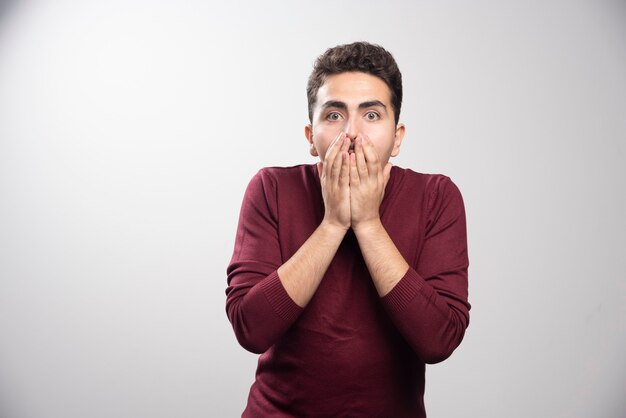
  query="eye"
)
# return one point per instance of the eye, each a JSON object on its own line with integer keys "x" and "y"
{"x": 333, "y": 116}
{"x": 371, "y": 115}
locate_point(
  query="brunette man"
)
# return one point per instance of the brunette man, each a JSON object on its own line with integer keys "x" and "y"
{"x": 348, "y": 275}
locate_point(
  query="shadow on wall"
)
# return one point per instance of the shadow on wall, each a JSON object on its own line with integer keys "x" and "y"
{"x": 5, "y": 5}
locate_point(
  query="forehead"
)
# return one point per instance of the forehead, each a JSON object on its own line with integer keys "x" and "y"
{"x": 353, "y": 87}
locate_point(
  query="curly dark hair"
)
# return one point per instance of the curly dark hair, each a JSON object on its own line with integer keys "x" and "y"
{"x": 358, "y": 56}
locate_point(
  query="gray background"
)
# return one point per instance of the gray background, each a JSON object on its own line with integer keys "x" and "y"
{"x": 129, "y": 130}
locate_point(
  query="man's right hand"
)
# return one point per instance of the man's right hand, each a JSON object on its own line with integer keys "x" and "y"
{"x": 303, "y": 272}
{"x": 335, "y": 181}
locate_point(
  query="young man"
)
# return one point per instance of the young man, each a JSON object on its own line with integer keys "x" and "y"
{"x": 348, "y": 275}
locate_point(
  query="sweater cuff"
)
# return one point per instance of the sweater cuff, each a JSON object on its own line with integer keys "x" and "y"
{"x": 279, "y": 299}
{"x": 404, "y": 291}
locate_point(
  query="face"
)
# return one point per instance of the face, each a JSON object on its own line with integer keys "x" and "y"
{"x": 354, "y": 103}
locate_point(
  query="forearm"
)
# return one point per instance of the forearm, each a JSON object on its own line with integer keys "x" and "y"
{"x": 303, "y": 272}
{"x": 263, "y": 301}
{"x": 431, "y": 323}
{"x": 382, "y": 258}
{"x": 427, "y": 310}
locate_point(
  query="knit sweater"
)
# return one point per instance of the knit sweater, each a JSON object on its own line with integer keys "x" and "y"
{"x": 349, "y": 352}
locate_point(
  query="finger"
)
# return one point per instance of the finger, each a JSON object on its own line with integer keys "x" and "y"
{"x": 320, "y": 169}
{"x": 361, "y": 164}
{"x": 354, "y": 171}
{"x": 373, "y": 165}
{"x": 331, "y": 155}
{"x": 344, "y": 175}
{"x": 334, "y": 147}
{"x": 338, "y": 160}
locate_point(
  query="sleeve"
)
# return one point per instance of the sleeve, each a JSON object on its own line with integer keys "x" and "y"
{"x": 257, "y": 304}
{"x": 429, "y": 304}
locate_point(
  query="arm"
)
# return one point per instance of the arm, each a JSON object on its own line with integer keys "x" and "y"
{"x": 384, "y": 262}
{"x": 429, "y": 309}
{"x": 302, "y": 274}
{"x": 368, "y": 181}
{"x": 264, "y": 298}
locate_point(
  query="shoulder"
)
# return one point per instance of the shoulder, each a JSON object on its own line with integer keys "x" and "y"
{"x": 445, "y": 202}
{"x": 297, "y": 175}
{"x": 442, "y": 191}
{"x": 269, "y": 180}
{"x": 436, "y": 190}
{"x": 432, "y": 185}
{"x": 287, "y": 172}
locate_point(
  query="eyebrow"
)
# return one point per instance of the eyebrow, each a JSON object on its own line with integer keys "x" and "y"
{"x": 372, "y": 103}
{"x": 341, "y": 105}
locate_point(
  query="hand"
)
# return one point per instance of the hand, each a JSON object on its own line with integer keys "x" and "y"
{"x": 335, "y": 181}
{"x": 367, "y": 183}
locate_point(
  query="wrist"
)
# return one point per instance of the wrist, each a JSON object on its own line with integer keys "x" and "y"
{"x": 334, "y": 228}
{"x": 367, "y": 227}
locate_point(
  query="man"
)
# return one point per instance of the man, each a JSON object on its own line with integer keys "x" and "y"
{"x": 348, "y": 275}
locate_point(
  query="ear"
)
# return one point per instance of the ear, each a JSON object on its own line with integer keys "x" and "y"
{"x": 399, "y": 136}
{"x": 308, "y": 133}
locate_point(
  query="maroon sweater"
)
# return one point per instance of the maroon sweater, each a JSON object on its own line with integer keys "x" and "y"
{"x": 349, "y": 352}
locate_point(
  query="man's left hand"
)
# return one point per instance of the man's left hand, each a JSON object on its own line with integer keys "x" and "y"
{"x": 367, "y": 183}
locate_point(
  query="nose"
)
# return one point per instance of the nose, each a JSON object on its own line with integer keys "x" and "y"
{"x": 351, "y": 129}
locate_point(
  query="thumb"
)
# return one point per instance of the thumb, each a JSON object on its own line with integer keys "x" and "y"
{"x": 320, "y": 167}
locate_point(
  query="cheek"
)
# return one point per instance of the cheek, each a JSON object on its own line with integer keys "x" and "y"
{"x": 321, "y": 146}
{"x": 383, "y": 144}
{"x": 378, "y": 132}
{"x": 322, "y": 138}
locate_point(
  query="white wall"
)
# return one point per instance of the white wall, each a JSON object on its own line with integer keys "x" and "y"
{"x": 130, "y": 128}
